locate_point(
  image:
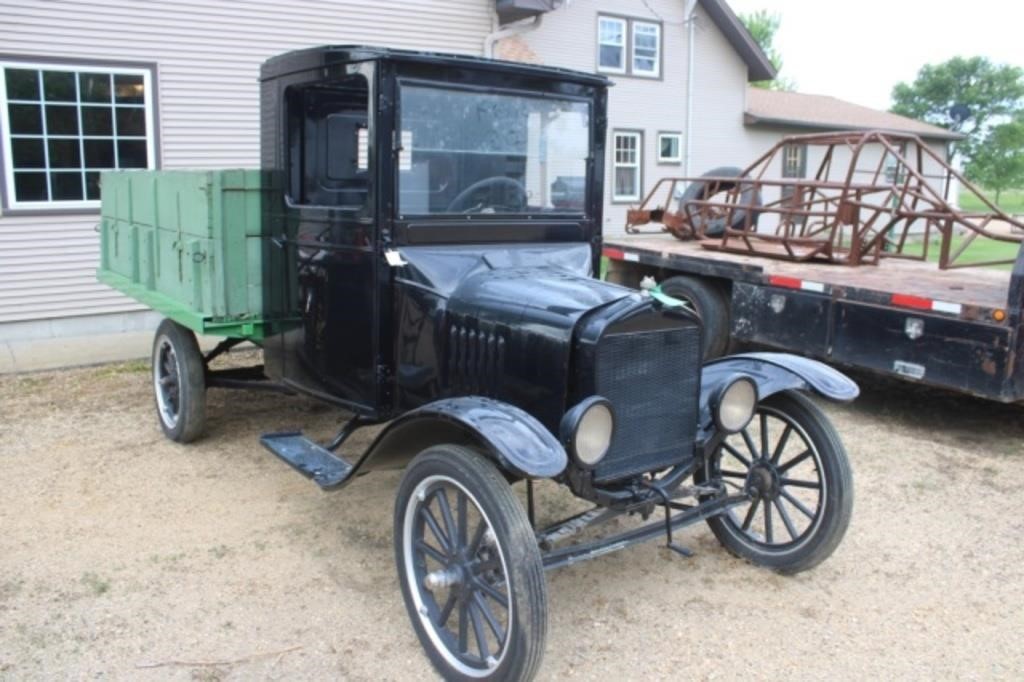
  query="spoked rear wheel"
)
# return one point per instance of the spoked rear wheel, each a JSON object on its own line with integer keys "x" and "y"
{"x": 179, "y": 382}
{"x": 470, "y": 569}
{"x": 791, "y": 461}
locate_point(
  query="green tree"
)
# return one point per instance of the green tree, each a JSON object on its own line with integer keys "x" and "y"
{"x": 982, "y": 92}
{"x": 762, "y": 27}
{"x": 998, "y": 162}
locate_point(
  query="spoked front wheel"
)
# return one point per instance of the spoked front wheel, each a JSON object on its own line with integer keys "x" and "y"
{"x": 470, "y": 569}
{"x": 792, "y": 463}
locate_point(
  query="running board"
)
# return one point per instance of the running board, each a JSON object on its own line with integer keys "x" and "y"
{"x": 327, "y": 469}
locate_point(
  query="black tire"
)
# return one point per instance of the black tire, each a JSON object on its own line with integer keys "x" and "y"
{"x": 711, "y": 303}
{"x": 807, "y": 533}
{"x": 704, "y": 190}
{"x": 179, "y": 382}
{"x": 449, "y": 617}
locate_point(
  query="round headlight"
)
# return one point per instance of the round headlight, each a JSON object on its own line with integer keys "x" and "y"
{"x": 587, "y": 430}
{"x": 736, "y": 404}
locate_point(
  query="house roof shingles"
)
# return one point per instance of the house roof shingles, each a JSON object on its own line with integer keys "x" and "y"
{"x": 822, "y": 112}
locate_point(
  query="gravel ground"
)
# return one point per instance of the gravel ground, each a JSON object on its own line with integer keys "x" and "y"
{"x": 125, "y": 556}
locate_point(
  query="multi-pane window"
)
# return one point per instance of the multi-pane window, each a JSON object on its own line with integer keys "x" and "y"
{"x": 626, "y": 159}
{"x": 794, "y": 161}
{"x": 628, "y": 46}
{"x": 646, "y": 49}
{"x": 670, "y": 147}
{"x": 63, "y": 125}
{"x": 611, "y": 44}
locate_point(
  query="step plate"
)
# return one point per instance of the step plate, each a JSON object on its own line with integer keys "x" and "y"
{"x": 325, "y": 468}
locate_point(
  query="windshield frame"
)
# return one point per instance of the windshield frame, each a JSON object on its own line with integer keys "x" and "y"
{"x": 440, "y": 85}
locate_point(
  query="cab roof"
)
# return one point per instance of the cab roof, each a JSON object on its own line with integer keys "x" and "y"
{"x": 327, "y": 55}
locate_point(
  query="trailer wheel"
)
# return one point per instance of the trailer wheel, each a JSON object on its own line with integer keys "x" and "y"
{"x": 791, "y": 460}
{"x": 179, "y": 382}
{"x": 712, "y": 223}
{"x": 711, "y": 304}
{"x": 470, "y": 569}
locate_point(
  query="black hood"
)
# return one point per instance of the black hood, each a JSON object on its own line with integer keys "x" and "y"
{"x": 504, "y": 319}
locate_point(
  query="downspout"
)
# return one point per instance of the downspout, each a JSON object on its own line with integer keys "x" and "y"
{"x": 691, "y": 23}
{"x": 518, "y": 28}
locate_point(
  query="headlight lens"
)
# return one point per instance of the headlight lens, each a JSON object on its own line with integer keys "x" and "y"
{"x": 594, "y": 433}
{"x": 587, "y": 430}
{"x": 736, "y": 405}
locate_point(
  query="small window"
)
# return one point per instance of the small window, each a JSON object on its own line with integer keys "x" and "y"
{"x": 794, "y": 161}
{"x": 670, "y": 147}
{"x": 646, "y": 49}
{"x": 65, "y": 124}
{"x": 630, "y": 47}
{"x": 626, "y": 159}
{"x": 611, "y": 41}
{"x": 329, "y": 144}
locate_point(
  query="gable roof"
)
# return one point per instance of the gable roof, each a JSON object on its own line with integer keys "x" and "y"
{"x": 822, "y": 112}
{"x": 759, "y": 68}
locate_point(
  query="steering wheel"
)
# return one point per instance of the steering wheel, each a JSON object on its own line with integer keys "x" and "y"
{"x": 491, "y": 183}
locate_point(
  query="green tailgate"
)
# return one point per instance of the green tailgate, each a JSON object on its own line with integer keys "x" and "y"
{"x": 194, "y": 246}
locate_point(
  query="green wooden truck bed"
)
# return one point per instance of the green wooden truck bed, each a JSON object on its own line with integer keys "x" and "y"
{"x": 193, "y": 245}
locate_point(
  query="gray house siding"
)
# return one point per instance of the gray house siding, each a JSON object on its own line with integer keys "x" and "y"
{"x": 568, "y": 38}
{"x": 206, "y": 56}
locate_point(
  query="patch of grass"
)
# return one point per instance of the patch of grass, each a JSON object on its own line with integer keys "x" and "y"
{"x": 117, "y": 369}
{"x": 220, "y": 551}
{"x": 1010, "y": 200}
{"x": 95, "y": 583}
{"x": 981, "y": 250}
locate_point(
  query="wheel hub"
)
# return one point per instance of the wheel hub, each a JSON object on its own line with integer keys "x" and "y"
{"x": 763, "y": 481}
{"x": 444, "y": 578}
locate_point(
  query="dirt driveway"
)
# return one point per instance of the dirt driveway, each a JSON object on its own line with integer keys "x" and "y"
{"x": 124, "y": 556}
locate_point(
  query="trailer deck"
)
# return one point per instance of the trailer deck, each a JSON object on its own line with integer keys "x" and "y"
{"x": 959, "y": 329}
{"x": 979, "y": 292}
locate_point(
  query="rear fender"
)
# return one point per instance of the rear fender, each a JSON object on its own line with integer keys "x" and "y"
{"x": 773, "y": 372}
{"x": 515, "y": 441}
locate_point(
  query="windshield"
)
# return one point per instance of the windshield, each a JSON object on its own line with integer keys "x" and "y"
{"x": 478, "y": 153}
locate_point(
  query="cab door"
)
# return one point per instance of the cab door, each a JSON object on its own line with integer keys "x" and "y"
{"x": 331, "y": 243}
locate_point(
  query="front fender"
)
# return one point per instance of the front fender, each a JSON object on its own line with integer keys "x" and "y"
{"x": 774, "y": 372}
{"x": 511, "y": 437}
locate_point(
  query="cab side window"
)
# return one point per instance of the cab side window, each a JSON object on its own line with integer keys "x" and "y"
{"x": 328, "y": 144}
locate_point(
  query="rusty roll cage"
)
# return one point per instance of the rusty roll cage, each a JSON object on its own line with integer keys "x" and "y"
{"x": 851, "y": 214}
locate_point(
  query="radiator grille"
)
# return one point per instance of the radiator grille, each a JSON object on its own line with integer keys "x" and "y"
{"x": 652, "y": 380}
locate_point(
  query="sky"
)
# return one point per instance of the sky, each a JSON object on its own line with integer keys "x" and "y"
{"x": 859, "y": 50}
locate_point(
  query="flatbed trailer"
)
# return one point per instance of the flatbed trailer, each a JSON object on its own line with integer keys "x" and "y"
{"x": 956, "y": 329}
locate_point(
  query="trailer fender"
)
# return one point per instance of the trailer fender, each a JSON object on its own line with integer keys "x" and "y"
{"x": 775, "y": 372}
{"x": 513, "y": 439}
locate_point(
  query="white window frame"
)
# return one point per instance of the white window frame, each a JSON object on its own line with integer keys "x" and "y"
{"x": 633, "y": 70}
{"x": 794, "y": 154}
{"x": 636, "y": 164}
{"x": 12, "y": 203}
{"x": 678, "y": 158}
{"x": 624, "y": 46}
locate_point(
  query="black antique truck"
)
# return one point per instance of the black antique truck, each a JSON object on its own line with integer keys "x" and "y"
{"x": 419, "y": 250}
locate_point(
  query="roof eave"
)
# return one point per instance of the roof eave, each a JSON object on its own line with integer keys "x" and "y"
{"x": 759, "y": 67}
{"x": 755, "y": 120}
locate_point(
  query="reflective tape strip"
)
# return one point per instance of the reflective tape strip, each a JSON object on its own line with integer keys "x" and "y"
{"x": 784, "y": 282}
{"x": 619, "y": 254}
{"x": 812, "y": 286}
{"x": 907, "y": 301}
{"x": 920, "y": 303}
{"x": 795, "y": 283}
{"x": 945, "y": 307}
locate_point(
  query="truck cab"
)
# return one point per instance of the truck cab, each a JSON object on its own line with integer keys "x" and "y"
{"x": 388, "y": 207}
